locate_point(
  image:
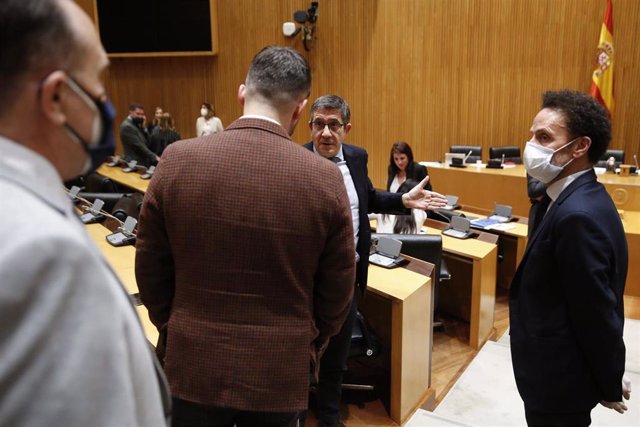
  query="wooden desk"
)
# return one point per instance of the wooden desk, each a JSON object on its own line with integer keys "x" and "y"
{"x": 483, "y": 258}
{"x": 398, "y": 307}
{"x": 470, "y": 294}
{"x": 631, "y": 223}
{"x": 511, "y": 246}
{"x": 122, "y": 261}
{"x": 131, "y": 179}
{"x": 482, "y": 187}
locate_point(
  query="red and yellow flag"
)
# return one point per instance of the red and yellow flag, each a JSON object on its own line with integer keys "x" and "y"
{"x": 602, "y": 78}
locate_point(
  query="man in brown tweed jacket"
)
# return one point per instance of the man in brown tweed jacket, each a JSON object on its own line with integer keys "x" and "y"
{"x": 250, "y": 273}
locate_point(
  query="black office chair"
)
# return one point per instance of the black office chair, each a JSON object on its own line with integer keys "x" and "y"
{"x": 366, "y": 377}
{"x": 96, "y": 183}
{"x": 618, "y": 155}
{"x": 511, "y": 153}
{"x": 476, "y": 152}
{"x": 129, "y": 205}
{"x": 110, "y": 199}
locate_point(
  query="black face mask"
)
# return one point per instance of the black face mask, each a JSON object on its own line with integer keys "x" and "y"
{"x": 138, "y": 121}
{"x": 103, "y": 144}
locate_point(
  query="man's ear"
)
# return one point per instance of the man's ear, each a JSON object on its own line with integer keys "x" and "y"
{"x": 582, "y": 146}
{"x": 347, "y": 128}
{"x": 297, "y": 113}
{"x": 241, "y": 94}
{"x": 52, "y": 92}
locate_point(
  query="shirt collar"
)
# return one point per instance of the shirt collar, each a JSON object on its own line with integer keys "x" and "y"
{"x": 258, "y": 116}
{"x": 32, "y": 171}
{"x": 339, "y": 154}
{"x": 560, "y": 185}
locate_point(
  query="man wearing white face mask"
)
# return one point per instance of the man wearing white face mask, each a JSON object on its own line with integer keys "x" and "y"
{"x": 72, "y": 348}
{"x": 566, "y": 301}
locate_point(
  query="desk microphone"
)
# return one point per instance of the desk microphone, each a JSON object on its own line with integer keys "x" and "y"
{"x": 467, "y": 156}
{"x": 635, "y": 159}
{"x": 502, "y": 162}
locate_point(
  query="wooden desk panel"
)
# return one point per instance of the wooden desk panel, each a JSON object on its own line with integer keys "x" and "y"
{"x": 122, "y": 261}
{"x": 398, "y": 305}
{"x": 131, "y": 179}
{"x": 631, "y": 223}
{"x": 477, "y": 279}
{"x": 484, "y": 258}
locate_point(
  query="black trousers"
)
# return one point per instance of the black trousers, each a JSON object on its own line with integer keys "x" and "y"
{"x": 559, "y": 419}
{"x": 190, "y": 414}
{"x": 332, "y": 366}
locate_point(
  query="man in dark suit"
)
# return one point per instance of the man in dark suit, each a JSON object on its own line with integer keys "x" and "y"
{"x": 330, "y": 124}
{"x": 250, "y": 277}
{"x": 134, "y": 138}
{"x": 566, "y": 302}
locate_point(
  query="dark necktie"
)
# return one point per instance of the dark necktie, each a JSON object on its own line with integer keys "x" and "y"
{"x": 538, "y": 210}
{"x": 335, "y": 159}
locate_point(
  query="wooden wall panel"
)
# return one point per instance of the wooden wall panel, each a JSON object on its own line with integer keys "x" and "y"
{"x": 431, "y": 72}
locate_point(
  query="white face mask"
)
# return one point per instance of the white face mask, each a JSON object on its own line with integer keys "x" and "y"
{"x": 203, "y": 112}
{"x": 537, "y": 161}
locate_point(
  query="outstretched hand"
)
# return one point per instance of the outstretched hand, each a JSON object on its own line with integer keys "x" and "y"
{"x": 626, "y": 395}
{"x": 419, "y": 198}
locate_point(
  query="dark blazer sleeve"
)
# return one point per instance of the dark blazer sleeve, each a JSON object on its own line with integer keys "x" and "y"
{"x": 420, "y": 173}
{"x": 131, "y": 138}
{"x": 535, "y": 188}
{"x": 593, "y": 287}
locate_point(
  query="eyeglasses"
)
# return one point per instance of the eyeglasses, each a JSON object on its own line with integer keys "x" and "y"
{"x": 319, "y": 125}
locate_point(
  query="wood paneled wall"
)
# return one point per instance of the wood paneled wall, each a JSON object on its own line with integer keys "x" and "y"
{"x": 431, "y": 72}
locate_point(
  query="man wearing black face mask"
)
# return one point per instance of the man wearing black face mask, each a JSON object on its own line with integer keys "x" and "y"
{"x": 73, "y": 351}
{"x": 134, "y": 137}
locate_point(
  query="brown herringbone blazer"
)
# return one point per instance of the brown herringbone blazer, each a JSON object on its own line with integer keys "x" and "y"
{"x": 245, "y": 248}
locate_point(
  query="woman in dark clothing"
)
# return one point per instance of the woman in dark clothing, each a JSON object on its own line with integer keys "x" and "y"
{"x": 402, "y": 167}
{"x": 163, "y": 134}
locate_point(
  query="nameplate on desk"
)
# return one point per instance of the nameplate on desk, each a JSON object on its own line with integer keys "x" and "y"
{"x": 131, "y": 166}
{"x": 124, "y": 235}
{"x": 387, "y": 253}
{"x": 149, "y": 173}
{"x": 459, "y": 227}
{"x": 73, "y": 193}
{"x": 93, "y": 214}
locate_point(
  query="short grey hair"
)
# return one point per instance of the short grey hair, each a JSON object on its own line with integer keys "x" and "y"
{"x": 35, "y": 37}
{"x": 332, "y": 102}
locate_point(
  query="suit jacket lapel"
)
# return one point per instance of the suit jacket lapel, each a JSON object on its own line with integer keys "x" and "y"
{"x": 548, "y": 218}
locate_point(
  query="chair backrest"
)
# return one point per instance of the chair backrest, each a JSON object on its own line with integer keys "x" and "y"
{"x": 618, "y": 155}
{"x": 96, "y": 183}
{"x": 128, "y": 206}
{"x": 511, "y": 153}
{"x": 476, "y": 151}
{"x": 110, "y": 199}
{"x": 422, "y": 246}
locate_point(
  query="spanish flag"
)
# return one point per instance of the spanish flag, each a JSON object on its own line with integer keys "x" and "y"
{"x": 602, "y": 78}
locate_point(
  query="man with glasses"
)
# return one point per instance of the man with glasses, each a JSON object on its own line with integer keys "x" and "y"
{"x": 330, "y": 124}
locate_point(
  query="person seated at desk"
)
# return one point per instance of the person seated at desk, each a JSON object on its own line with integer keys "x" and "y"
{"x": 402, "y": 167}
{"x": 163, "y": 134}
{"x": 401, "y": 224}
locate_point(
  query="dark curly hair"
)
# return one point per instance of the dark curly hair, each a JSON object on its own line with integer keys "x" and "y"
{"x": 584, "y": 117}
